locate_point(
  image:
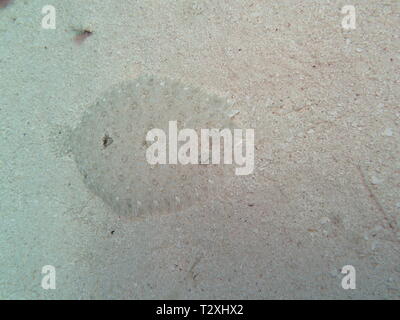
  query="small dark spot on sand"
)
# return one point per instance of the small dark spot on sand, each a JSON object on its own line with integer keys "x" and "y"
{"x": 82, "y": 35}
{"x": 4, "y": 3}
{"x": 112, "y": 232}
{"x": 107, "y": 140}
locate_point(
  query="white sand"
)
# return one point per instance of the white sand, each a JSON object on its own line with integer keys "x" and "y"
{"x": 324, "y": 103}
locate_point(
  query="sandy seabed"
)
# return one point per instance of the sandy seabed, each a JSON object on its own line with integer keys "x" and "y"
{"x": 325, "y": 191}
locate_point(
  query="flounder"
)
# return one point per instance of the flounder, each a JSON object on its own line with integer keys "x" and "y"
{"x": 109, "y": 146}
